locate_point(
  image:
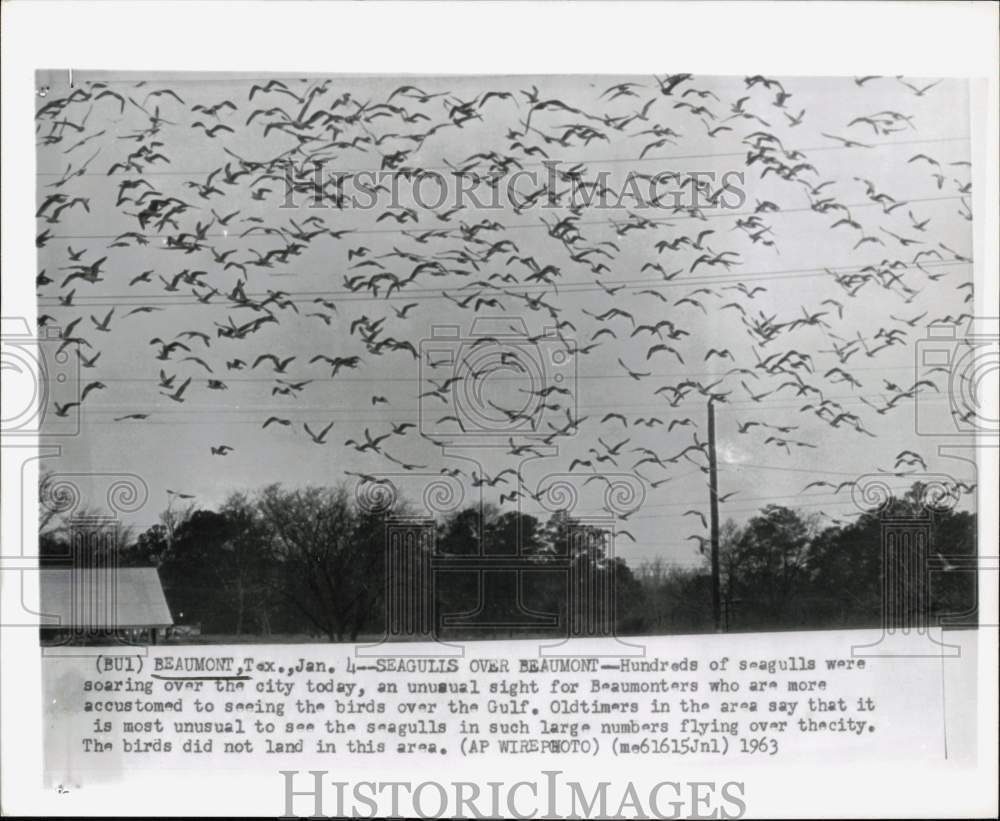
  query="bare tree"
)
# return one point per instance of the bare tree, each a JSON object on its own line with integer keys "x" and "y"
{"x": 331, "y": 555}
{"x": 244, "y": 571}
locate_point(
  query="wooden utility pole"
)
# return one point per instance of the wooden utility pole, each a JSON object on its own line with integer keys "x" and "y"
{"x": 713, "y": 500}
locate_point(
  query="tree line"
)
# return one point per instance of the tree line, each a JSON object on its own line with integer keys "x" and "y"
{"x": 310, "y": 562}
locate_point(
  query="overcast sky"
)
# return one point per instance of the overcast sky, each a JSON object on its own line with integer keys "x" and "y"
{"x": 172, "y": 447}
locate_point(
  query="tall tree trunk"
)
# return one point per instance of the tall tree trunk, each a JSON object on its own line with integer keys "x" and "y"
{"x": 239, "y": 609}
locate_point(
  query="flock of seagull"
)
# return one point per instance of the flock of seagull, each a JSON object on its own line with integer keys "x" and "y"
{"x": 635, "y": 289}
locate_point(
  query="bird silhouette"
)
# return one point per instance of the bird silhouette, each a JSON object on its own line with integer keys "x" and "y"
{"x": 318, "y": 437}
{"x": 324, "y": 302}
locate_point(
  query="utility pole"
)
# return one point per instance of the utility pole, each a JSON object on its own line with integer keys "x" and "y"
{"x": 713, "y": 500}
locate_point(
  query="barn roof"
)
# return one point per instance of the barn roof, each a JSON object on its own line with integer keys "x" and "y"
{"x": 106, "y": 598}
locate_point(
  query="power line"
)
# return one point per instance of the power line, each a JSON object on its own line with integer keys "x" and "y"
{"x": 525, "y": 164}
{"x": 661, "y": 407}
{"x": 702, "y": 216}
{"x": 792, "y": 470}
{"x": 83, "y": 377}
{"x": 574, "y": 287}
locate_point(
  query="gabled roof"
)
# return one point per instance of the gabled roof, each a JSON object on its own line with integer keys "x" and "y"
{"x": 107, "y": 598}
